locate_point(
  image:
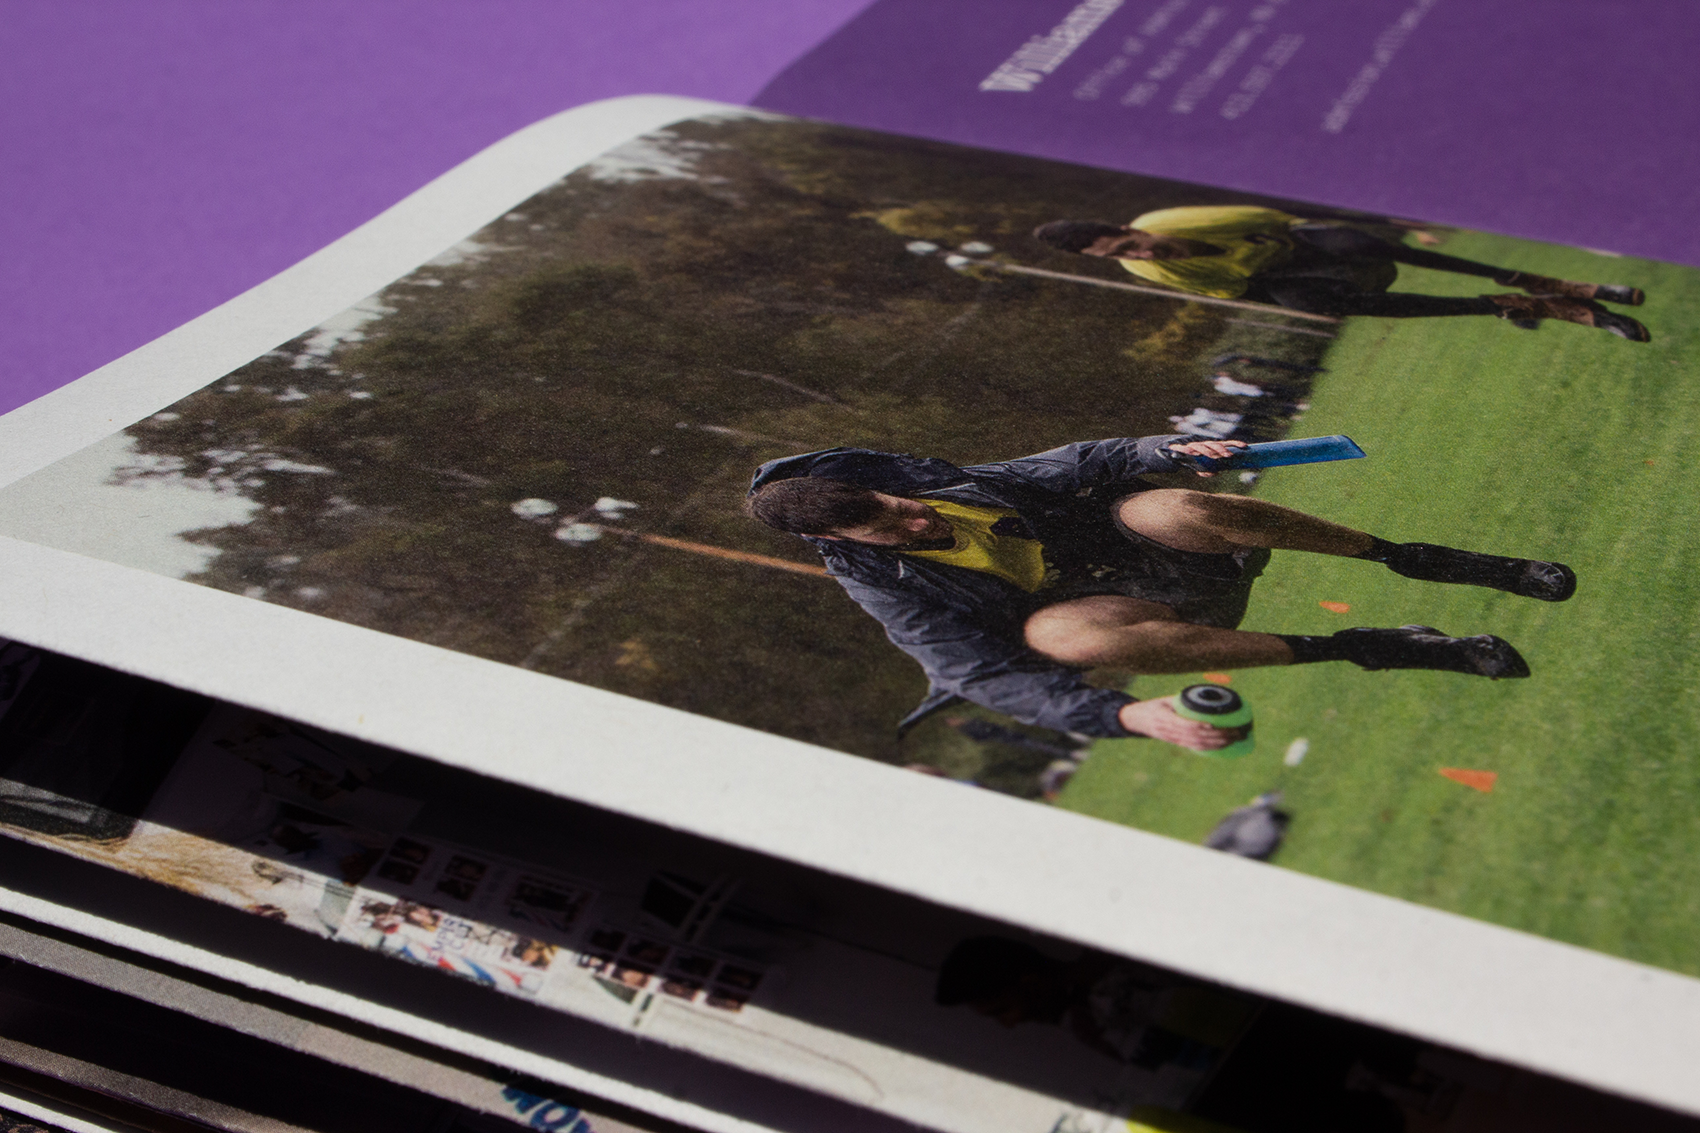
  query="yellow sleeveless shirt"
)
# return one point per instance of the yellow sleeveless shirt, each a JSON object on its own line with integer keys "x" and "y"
{"x": 1010, "y": 557}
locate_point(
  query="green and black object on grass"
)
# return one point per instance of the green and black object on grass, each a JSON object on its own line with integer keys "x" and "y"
{"x": 1220, "y": 708}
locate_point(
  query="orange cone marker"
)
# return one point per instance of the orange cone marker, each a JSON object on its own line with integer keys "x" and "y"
{"x": 1335, "y": 607}
{"x": 1218, "y": 678}
{"x": 1482, "y": 781}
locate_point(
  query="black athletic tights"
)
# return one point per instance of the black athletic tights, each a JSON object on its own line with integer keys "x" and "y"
{"x": 1325, "y": 296}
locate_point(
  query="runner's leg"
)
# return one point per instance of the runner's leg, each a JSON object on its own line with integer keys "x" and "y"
{"x": 1322, "y": 296}
{"x": 1132, "y": 633}
{"x": 1210, "y": 523}
{"x": 1147, "y": 638}
{"x": 1341, "y": 298}
{"x": 1348, "y": 242}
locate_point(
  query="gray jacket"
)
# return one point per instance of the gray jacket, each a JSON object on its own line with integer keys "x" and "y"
{"x": 965, "y": 627}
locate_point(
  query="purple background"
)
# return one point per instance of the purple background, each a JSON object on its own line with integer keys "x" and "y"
{"x": 1569, "y": 120}
{"x": 162, "y": 156}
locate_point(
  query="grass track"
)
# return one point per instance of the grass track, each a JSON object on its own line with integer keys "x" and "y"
{"x": 1563, "y": 443}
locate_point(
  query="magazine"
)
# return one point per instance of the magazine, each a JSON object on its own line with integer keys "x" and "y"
{"x": 470, "y": 484}
{"x": 883, "y": 1009}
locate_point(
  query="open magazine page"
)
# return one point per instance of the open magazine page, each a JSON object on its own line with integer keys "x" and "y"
{"x": 1550, "y": 119}
{"x": 494, "y": 512}
{"x": 569, "y": 910}
{"x": 861, "y": 995}
{"x": 80, "y": 1055}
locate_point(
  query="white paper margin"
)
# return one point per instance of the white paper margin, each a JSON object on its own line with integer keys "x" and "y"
{"x": 1616, "y": 1025}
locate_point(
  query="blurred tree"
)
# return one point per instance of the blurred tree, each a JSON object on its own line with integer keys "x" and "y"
{"x": 649, "y": 333}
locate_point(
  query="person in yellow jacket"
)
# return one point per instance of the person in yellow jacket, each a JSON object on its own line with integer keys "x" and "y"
{"x": 1324, "y": 267}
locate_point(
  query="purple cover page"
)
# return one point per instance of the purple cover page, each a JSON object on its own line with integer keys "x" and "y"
{"x": 164, "y": 157}
{"x": 1550, "y": 119}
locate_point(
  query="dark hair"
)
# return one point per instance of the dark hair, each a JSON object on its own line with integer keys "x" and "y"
{"x": 1076, "y": 235}
{"x": 813, "y": 505}
{"x": 983, "y": 967}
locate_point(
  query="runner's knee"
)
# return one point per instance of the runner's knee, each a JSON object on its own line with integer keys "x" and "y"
{"x": 1162, "y": 507}
{"x": 1083, "y": 647}
{"x": 1092, "y": 631}
{"x": 1179, "y": 518}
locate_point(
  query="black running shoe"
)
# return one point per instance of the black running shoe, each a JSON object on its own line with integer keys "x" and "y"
{"x": 1529, "y": 578}
{"x": 1618, "y": 293}
{"x": 1424, "y": 647}
{"x": 1621, "y": 325}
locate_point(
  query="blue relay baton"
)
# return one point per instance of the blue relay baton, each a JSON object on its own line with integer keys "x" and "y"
{"x": 1273, "y": 454}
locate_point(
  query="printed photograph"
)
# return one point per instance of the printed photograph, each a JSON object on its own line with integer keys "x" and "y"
{"x": 545, "y": 903}
{"x": 1349, "y": 543}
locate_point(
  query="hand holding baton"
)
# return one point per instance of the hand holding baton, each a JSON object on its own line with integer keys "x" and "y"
{"x": 1272, "y": 454}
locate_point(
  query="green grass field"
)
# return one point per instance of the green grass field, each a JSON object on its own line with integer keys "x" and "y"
{"x": 1563, "y": 443}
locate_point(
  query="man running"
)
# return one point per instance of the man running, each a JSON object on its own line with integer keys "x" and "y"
{"x": 1323, "y": 267}
{"x": 1005, "y": 580}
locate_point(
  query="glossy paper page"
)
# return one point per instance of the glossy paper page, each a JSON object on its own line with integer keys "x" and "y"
{"x": 487, "y": 506}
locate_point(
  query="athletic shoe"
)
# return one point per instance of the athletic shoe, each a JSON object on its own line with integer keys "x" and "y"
{"x": 1424, "y": 647}
{"x": 1621, "y": 325}
{"x": 1529, "y": 578}
{"x": 1572, "y": 289}
{"x": 1521, "y": 308}
{"x": 1618, "y": 293}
